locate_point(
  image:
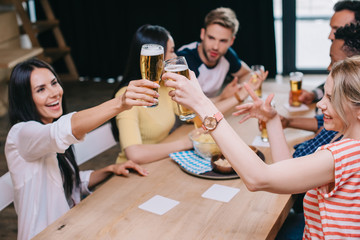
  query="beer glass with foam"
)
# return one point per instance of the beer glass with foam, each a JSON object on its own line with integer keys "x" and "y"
{"x": 151, "y": 63}
{"x": 257, "y": 69}
{"x": 179, "y": 65}
{"x": 295, "y": 88}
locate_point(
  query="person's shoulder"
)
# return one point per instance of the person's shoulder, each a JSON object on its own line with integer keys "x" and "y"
{"x": 188, "y": 47}
{"x": 343, "y": 146}
{"x": 231, "y": 54}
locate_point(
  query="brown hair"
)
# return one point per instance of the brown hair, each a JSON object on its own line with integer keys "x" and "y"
{"x": 346, "y": 76}
{"x": 224, "y": 17}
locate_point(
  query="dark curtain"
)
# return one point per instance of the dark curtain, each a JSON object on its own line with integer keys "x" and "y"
{"x": 99, "y": 32}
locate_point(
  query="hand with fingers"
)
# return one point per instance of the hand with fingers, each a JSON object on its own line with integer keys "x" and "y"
{"x": 123, "y": 168}
{"x": 256, "y": 109}
{"x": 187, "y": 93}
{"x": 242, "y": 94}
{"x": 140, "y": 93}
{"x": 261, "y": 76}
{"x": 230, "y": 89}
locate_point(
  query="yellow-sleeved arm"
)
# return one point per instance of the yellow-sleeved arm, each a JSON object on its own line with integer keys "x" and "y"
{"x": 141, "y": 125}
{"x": 128, "y": 126}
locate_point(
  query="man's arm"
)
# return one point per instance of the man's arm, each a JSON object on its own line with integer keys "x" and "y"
{"x": 244, "y": 73}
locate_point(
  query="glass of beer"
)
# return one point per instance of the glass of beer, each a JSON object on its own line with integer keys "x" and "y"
{"x": 257, "y": 69}
{"x": 264, "y": 134}
{"x": 295, "y": 87}
{"x": 151, "y": 63}
{"x": 179, "y": 65}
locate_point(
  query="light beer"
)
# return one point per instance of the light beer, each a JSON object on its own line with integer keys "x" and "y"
{"x": 264, "y": 134}
{"x": 254, "y": 78}
{"x": 295, "y": 92}
{"x": 151, "y": 63}
{"x": 258, "y": 91}
{"x": 295, "y": 88}
{"x": 182, "y": 69}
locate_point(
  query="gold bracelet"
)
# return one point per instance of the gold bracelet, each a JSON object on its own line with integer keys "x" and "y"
{"x": 238, "y": 97}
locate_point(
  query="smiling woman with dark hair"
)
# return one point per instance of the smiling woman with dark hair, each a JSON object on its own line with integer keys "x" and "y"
{"x": 46, "y": 179}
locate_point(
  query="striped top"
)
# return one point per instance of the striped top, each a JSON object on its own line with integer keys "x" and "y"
{"x": 333, "y": 211}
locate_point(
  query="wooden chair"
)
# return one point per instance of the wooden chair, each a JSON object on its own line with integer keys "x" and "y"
{"x": 11, "y": 52}
{"x": 96, "y": 142}
{"x": 7, "y": 192}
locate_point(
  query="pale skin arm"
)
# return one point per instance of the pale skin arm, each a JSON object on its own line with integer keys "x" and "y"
{"x": 244, "y": 74}
{"x": 138, "y": 93}
{"x": 308, "y": 124}
{"x": 100, "y": 175}
{"x": 266, "y": 113}
{"x": 287, "y": 176}
{"x": 145, "y": 153}
{"x": 227, "y": 99}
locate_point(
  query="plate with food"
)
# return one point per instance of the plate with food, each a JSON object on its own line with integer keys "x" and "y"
{"x": 220, "y": 167}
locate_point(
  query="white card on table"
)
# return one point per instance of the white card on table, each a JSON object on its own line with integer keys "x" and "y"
{"x": 260, "y": 143}
{"x": 301, "y": 108}
{"x": 220, "y": 193}
{"x": 158, "y": 205}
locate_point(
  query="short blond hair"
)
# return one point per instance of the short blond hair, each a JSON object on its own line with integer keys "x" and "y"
{"x": 346, "y": 76}
{"x": 225, "y": 17}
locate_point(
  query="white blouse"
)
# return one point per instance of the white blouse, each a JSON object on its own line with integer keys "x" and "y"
{"x": 39, "y": 196}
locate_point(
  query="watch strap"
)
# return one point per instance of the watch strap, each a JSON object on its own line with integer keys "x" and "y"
{"x": 218, "y": 117}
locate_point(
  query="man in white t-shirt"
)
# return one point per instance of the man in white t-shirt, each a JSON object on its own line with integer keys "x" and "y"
{"x": 213, "y": 59}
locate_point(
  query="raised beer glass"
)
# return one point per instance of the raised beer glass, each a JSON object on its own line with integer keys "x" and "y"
{"x": 151, "y": 63}
{"x": 264, "y": 134}
{"x": 295, "y": 87}
{"x": 257, "y": 69}
{"x": 179, "y": 65}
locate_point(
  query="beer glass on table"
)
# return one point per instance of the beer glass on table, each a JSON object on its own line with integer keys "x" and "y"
{"x": 257, "y": 69}
{"x": 295, "y": 88}
{"x": 151, "y": 63}
{"x": 264, "y": 135}
{"x": 179, "y": 65}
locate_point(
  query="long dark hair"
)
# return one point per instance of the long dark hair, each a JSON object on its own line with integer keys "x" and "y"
{"x": 145, "y": 34}
{"x": 22, "y": 108}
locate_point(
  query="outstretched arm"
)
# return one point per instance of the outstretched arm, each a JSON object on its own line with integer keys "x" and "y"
{"x": 145, "y": 153}
{"x": 138, "y": 93}
{"x": 266, "y": 113}
{"x": 100, "y": 175}
{"x": 234, "y": 93}
{"x": 288, "y": 176}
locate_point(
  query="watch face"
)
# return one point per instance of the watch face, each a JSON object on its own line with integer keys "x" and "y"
{"x": 210, "y": 123}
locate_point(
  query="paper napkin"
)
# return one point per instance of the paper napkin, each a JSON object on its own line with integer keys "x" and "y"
{"x": 220, "y": 193}
{"x": 260, "y": 143}
{"x": 158, "y": 205}
{"x": 301, "y": 108}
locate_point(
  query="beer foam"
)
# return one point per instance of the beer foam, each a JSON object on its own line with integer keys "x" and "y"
{"x": 152, "y": 50}
{"x": 175, "y": 68}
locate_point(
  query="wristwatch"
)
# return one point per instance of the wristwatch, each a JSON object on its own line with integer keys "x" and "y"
{"x": 210, "y": 123}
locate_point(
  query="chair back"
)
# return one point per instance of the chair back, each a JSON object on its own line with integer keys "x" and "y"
{"x": 7, "y": 191}
{"x": 95, "y": 142}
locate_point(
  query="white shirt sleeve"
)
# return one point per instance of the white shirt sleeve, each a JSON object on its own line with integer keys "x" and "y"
{"x": 42, "y": 139}
{"x": 84, "y": 182}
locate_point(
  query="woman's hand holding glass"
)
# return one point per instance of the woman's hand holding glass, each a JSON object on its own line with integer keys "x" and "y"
{"x": 187, "y": 93}
{"x": 140, "y": 93}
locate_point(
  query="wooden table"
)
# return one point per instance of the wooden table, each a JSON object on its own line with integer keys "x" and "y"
{"x": 112, "y": 212}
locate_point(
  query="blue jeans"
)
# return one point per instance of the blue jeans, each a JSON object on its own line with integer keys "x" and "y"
{"x": 293, "y": 227}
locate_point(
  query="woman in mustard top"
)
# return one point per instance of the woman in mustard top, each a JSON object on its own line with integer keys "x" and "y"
{"x": 141, "y": 131}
